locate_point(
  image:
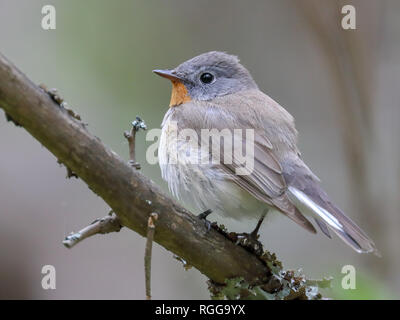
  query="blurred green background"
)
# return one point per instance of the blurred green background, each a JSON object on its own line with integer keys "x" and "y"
{"x": 341, "y": 86}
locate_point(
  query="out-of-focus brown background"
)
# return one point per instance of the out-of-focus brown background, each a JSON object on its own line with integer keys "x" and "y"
{"x": 341, "y": 86}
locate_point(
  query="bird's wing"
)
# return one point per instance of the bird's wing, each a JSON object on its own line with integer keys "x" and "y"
{"x": 265, "y": 180}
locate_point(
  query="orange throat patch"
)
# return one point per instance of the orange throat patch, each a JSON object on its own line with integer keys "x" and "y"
{"x": 179, "y": 94}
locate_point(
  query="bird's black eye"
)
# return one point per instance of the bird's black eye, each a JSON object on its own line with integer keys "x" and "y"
{"x": 207, "y": 78}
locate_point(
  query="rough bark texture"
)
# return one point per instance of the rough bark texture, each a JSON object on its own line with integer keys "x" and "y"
{"x": 131, "y": 195}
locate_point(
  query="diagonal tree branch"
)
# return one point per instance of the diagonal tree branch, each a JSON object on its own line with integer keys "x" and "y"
{"x": 131, "y": 195}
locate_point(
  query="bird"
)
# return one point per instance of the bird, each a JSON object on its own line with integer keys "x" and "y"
{"x": 214, "y": 92}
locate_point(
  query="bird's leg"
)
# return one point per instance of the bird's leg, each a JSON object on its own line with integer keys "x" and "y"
{"x": 254, "y": 234}
{"x": 250, "y": 240}
{"x": 203, "y": 216}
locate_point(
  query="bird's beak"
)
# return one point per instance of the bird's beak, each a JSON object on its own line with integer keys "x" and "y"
{"x": 169, "y": 74}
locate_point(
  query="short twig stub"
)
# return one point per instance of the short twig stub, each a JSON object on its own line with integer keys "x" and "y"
{"x": 131, "y": 137}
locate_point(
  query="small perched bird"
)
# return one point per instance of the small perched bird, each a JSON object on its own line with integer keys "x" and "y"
{"x": 213, "y": 91}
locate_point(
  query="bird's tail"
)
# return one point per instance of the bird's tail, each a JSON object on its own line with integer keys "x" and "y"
{"x": 312, "y": 199}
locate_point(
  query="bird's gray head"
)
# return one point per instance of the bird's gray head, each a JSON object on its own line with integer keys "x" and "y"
{"x": 206, "y": 77}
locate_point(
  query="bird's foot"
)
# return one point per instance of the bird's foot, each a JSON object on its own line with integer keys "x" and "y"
{"x": 250, "y": 241}
{"x": 203, "y": 216}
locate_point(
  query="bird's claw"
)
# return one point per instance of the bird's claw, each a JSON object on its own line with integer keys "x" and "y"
{"x": 207, "y": 224}
{"x": 203, "y": 216}
{"x": 250, "y": 241}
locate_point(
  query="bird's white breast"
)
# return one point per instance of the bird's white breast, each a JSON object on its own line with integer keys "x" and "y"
{"x": 200, "y": 186}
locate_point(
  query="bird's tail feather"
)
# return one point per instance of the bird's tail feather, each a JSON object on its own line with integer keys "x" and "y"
{"x": 315, "y": 201}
